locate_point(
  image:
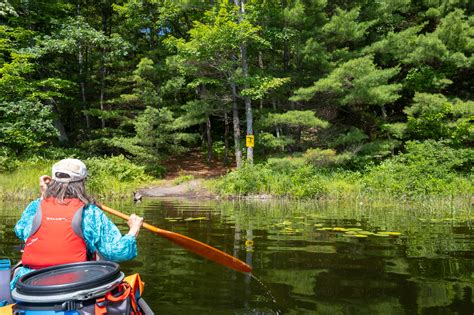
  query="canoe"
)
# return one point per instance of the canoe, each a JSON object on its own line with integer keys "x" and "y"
{"x": 85, "y": 288}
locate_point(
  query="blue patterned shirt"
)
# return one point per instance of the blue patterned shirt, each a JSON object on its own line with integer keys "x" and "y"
{"x": 101, "y": 235}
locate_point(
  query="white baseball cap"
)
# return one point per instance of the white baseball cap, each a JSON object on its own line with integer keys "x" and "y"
{"x": 75, "y": 168}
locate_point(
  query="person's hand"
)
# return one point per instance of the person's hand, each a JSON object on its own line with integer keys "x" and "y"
{"x": 135, "y": 223}
{"x": 44, "y": 181}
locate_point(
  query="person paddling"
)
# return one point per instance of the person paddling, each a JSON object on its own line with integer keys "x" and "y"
{"x": 65, "y": 225}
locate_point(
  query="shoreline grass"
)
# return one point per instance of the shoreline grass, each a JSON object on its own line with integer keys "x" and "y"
{"x": 109, "y": 178}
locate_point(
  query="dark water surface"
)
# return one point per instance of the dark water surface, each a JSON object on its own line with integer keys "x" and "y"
{"x": 308, "y": 258}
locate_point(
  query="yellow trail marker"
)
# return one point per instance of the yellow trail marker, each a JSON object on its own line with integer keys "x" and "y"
{"x": 250, "y": 141}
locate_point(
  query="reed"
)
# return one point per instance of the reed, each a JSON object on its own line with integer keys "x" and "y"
{"x": 23, "y": 183}
{"x": 295, "y": 180}
{"x": 109, "y": 178}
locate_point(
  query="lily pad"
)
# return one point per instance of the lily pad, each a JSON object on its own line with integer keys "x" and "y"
{"x": 175, "y": 218}
{"x": 196, "y": 219}
{"x": 390, "y": 233}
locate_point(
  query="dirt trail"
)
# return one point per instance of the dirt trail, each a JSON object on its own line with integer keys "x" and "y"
{"x": 194, "y": 163}
{"x": 191, "y": 163}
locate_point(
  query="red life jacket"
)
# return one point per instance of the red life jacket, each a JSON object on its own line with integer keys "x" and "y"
{"x": 56, "y": 235}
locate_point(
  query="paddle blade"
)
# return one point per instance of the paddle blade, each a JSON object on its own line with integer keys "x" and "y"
{"x": 190, "y": 244}
{"x": 201, "y": 249}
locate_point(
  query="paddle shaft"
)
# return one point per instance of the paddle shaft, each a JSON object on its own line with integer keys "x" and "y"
{"x": 190, "y": 244}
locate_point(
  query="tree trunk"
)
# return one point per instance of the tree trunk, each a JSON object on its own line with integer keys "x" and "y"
{"x": 245, "y": 71}
{"x": 58, "y": 124}
{"x": 83, "y": 86}
{"x": 226, "y": 139}
{"x": 277, "y": 128}
{"x": 80, "y": 60}
{"x": 102, "y": 92}
{"x": 236, "y": 123}
{"x": 209, "y": 139}
{"x": 103, "y": 69}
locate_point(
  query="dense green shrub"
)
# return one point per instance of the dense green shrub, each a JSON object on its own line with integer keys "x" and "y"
{"x": 117, "y": 166}
{"x": 115, "y": 176}
{"x": 427, "y": 168}
{"x": 285, "y": 165}
{"x": 22, "y": 182}
{"x": 249, "y": 179}
{"x": 281, "y": 177}
{"x": 306, "y": 183}
{"x": 182, "y": 179}
{"x": 325, "y": 158}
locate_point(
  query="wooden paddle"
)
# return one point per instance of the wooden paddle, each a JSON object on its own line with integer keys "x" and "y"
{"x": 190, "y": 244}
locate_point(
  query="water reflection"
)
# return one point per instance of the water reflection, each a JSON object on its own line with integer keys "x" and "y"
{"x": 312, "y": 258}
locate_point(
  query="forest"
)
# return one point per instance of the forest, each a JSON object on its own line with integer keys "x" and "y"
{"x": 341, "y": 97}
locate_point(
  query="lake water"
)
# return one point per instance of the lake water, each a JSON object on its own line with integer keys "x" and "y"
{"x": 307, "y": 258}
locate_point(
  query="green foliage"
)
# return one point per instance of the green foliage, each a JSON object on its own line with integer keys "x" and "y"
{"x": 117, "y": 166}
{"x": 25, "y": 126}
{"x": 218, "y": 148}
{"x": 270, "y": 141}
{"x": 306, "y": 183}
{"x": 144, "y": 91}
{"x": 427, "y": 168}
{"x": 396, "y": 130}
{"x": 433, "y": 116}
{"x": 23, "y": 182}
{"x": 356, "y": 82}
{"x": 455, "y": 32}
{"x": 294, "y": 119}
{"x": 75, "y": 34}
{"x": 291, "y": 178}
{"x": 396, "y": 45}
{"x": 424, "y": 78}
{"x": 293, "y": 122}
{"x": 7, "y": 9}
{"x": 354, "y": 136}
{"x": 157, "y": 133}
{"x": 145, "y": 78}
{"x": 375, "y": 151}
{"x": 358, "y": 150}
{"x": 245, "y": 180}
{"x": 285, "y": 165}
{"x": 114, "y": 177}
{"x": 215, "y": 39}
{"x": 261, "y": 86}
{"x": 325, "y": 158}
{"x": 182, "y": 179}
{"x": 343, "y": 27}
